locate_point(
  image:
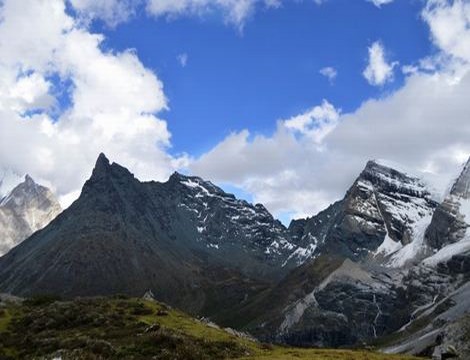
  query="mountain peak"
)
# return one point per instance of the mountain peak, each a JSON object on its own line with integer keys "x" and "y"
{"x": 177, "y": 176}
{"x": 381, "y": 164}
{"x": 101, "y": 166}
{"x": 461, "y": 186}
{"x": 102, "y": 160}
{"x": 28, "y": 180}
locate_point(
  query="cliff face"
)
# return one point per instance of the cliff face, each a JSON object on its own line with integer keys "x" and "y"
{"x": 452, "y": 217}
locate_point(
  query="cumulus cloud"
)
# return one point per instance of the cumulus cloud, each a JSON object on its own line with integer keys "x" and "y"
{"x": 277, "y": 169}
{"x": 112, "y": 105}
{"x": 378, "y": 70}
{"x": 329, "y": 72}
{"x": 424, "y": 125}
{"x": 450, "y": 26}
{"x": 315, "y": 123}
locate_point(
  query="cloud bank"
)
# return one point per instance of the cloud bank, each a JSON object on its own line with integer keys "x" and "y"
{"x": 63, "y": 99}
{"x": 424, "y": 125}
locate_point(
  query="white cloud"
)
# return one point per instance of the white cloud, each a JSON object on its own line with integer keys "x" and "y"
{"x": 378, "y": 70}
{"x": 450, "y": 26}
{"x": 112, "y": 12}
{"x": 379, "y": 3}
{"x": 235, "y": 11}
{"x": 329, "y": 72}
{"x": 276, "y": 169}
{"x": 182, "y": 59}
{"x": 315, "y": 123}
{"x": 424, "y": 125}
{"x": 113, "y": 100}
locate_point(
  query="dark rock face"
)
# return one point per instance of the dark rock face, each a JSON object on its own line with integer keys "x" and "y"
{"x": 449, "y": 224}
{"x": 346, "y": 315}
{"x": 351, "y": 304}
{"x": 186, "y": 240}
{"x": 458, "y": 264}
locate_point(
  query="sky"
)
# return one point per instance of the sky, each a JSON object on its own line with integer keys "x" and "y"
{"x": 280, "y": 102}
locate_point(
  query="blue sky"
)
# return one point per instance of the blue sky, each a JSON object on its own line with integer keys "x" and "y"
{"x": 235, "y": 91}
{"x": 269, "y": 71}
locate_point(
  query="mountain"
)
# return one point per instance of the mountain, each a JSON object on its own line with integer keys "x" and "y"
{"x": 24, "y": 210}
{"x": 388, "y": 265}
{"x": 377, "y": 275}
{"x": 448, "y": 232}
{"x": 188, "y": 241}
{"x": 384, "y": 211}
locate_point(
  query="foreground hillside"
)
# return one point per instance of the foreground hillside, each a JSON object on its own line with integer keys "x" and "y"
{"x": 122, "y": 328}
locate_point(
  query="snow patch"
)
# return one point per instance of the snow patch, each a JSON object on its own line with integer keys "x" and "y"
{"x": 388, "y": 247}
{"x": 448, "y": 251}
{"x": 412, "y": 250}
{"x": 464, "y": 209}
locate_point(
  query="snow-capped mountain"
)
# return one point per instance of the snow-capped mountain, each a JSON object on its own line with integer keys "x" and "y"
{"x": 448, "y": 232}
{"x": 24, "y": 210}
{"x": 383, "y": 214}
{"x": 389, "y": 258}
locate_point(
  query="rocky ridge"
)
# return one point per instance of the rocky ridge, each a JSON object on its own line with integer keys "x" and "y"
{"x": 368, "y": 268}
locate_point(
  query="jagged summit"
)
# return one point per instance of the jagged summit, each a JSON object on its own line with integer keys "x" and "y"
{"x": 29, "y": 181}
{"x": 461, "y": 186}
{"x": 448, "y": 232}
{"x": 175, "y": 238}
{"x": 379, "y": 214}
{"x": 26, "y": 209}
{"x": 102, "y": 166}
{"x": 102, "y": 161}
{"x": 383, "y": 176}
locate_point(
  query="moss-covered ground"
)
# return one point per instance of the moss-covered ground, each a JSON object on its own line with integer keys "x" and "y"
{"x": 123, "y": 328}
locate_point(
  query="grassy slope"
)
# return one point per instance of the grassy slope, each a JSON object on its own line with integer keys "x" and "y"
{"x": 132, "y": 329}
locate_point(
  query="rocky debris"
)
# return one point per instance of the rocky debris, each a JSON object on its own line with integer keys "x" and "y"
{"x": 148, "y": 296}
{"x": 352, "y": 305}
{"x": 152, "y": 328}
{"x": 7, "y": 298}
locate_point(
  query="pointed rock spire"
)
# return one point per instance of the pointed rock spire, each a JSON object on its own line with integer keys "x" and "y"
{"x": 28, "y": 180}
{"x": 101, "y": 167}
{"x": 461, "y": 187}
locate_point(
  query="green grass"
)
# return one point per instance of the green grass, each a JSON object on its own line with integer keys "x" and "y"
{"x": 120, "y": 328}
{"x": 5, "y": 318}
